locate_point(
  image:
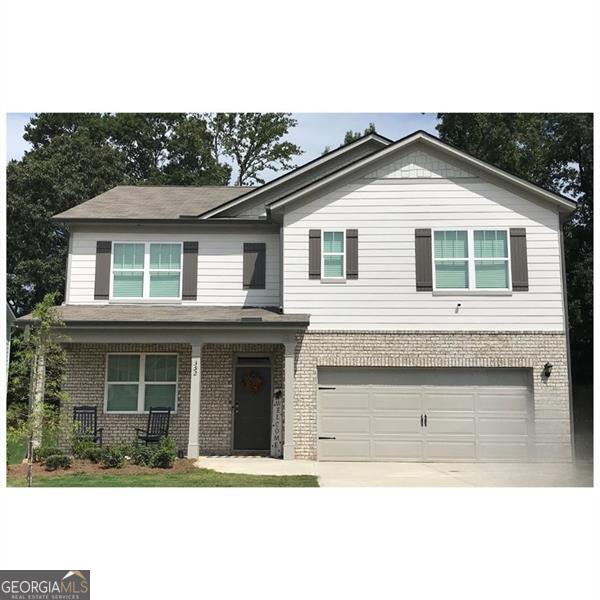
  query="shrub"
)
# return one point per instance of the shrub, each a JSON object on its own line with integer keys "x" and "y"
{"x": 81, "y": 448}
{"x": 57, "y": 461}
{"x": 141, "y": 455}
{"x": 42, "y": 453}
{"x": 112, "y": 457}
{"x": 93, "y": 454}
{"x": 164, "y": 455}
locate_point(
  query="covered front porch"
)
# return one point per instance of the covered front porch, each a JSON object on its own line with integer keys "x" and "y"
{"x": 240, "y": 386}
{"x": 235, "y": 373}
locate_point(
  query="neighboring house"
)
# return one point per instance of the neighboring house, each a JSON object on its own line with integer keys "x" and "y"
{"x": 10, "y": 326}
{"x": 386, "y": 301}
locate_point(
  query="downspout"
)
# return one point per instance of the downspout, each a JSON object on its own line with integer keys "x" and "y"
{"x": 567, "y": 336}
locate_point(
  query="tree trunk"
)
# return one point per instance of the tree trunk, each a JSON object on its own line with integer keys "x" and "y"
{"x": 36, "y": 407}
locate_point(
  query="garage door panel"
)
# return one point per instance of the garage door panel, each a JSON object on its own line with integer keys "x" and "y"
{"x": 397, "y": 450}
{"x": 489, "y": 450}
{"x": 345, "y": 424}
{"x": 449, "y": 399}
{"x": 387, "y": 424}
{"x": 352, "y": 449}
{"x": 398, "y": 400}
{"x": 500, "y": 400}
{"x": 343, "y": 399}
{"x": 449, "y": 425}
{"x": 450, "y": 450}
{"x": 502, "y": 426}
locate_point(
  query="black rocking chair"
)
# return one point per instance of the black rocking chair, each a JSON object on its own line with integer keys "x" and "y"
{"x": 157, "y": 428}
{"x": 85, "y": 419}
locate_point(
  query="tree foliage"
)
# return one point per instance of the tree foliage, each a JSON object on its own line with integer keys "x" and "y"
{"x": 57, "y": 175}
{"x": 255, "y": 142}
{"x": 556, "y": 152}
{"x": 352, "y": 136}
{"x": 24, "y": 418}
{"x": 77, "y": 156}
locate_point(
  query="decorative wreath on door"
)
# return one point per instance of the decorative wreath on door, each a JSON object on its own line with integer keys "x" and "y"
{"x": 252, "y": 382}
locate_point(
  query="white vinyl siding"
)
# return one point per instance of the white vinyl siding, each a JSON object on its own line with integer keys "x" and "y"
{"x": 386, "y": 213}
{"x": 220, "y": 263}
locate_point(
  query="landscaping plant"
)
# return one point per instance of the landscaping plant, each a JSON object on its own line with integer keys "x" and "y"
{"x": 112, "y": 457}
{"x": 164, "y": 455}
{"x": 57, "y": 461}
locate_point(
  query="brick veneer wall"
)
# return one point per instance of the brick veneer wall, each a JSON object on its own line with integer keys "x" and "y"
{"x": 439, "y": 349}
{"x": 216, "y": 394}
{"x": 84, "y": 384}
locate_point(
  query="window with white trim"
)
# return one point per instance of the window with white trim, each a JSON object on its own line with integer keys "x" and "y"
{"x": 146, "y": 270}
{"x": 135, "y": 383}
{"x": 333, "y": 255}
{"x": 468, "y": 259}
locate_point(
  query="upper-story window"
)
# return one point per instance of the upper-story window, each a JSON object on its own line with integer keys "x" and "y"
{"x": 146, "y": 270}
{"x": 333, "y": 255}
{"x": 471, "y": 259}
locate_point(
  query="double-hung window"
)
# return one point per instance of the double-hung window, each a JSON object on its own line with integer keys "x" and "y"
{"x": 334, "y": 259}
{"x": 468, "y": 259}
{"x": 138, "y": 382}
{"x": 146, "y": 270}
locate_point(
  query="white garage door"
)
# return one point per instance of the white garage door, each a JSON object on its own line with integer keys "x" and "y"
{"x": 425, "y": 414}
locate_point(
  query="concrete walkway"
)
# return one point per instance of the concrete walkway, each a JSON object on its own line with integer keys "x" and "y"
{"x": 357, "y": 474}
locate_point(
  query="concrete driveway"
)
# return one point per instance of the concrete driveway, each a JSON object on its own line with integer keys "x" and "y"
{"x": 392, "y": 474}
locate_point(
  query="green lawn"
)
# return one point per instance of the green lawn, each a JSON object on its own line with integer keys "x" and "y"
{"x": 196, "y": 478}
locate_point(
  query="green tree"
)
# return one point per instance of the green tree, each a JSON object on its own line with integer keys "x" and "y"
{"x": 352, "y": 136}
{"x": 556, "y": 152}
{"x": 59, "y": 174}
{"x": 254, "y": 141}
{"x": 44, "y": 127}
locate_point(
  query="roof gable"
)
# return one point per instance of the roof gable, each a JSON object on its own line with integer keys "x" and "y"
{"x": 301, "y": 176}
{"x": 417, "y": 164}
{"x": 465, "y": 163}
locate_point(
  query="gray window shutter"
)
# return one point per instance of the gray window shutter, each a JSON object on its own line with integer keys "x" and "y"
{"x": 102, "y": 277}
{"x": 189, "y": 275}
{"x": 314, "y": 254}
{"x": 518, "y": 260}
{"x": 255, "y": 265}
{"x": 423, "y": 260}
{"x": 351, "y": 253}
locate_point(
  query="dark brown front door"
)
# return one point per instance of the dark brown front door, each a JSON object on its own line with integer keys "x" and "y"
{"x": 252, "y": 409}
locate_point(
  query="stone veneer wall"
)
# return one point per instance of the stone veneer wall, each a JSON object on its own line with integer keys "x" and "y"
{"x": 84, "y": 383}
{"x": 216, "y": 394}
{"x": 439, "y": 349}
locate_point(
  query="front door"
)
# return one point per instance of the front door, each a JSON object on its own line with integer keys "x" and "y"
{"x": 252, "y": 408}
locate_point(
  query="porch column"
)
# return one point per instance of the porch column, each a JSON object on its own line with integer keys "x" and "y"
{"x": 193, "y": 437}
{"x": 288, "y": 437}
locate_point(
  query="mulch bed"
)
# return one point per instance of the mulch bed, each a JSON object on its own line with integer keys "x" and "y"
{"x": 88, "y": 468}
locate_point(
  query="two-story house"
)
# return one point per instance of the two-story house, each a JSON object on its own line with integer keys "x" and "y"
{"x": 386, "y": 301}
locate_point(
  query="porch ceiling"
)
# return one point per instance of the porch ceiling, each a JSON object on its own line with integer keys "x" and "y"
{"x": 161, "y": 315}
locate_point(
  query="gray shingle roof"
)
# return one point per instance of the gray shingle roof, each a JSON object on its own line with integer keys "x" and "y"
{"x": 153, "y": 202}
{"x": 171, "y": 315}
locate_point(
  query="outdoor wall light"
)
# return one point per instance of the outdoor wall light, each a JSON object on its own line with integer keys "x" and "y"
{"x": 548, "y": 369}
